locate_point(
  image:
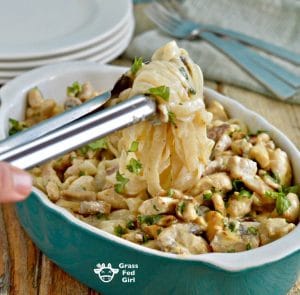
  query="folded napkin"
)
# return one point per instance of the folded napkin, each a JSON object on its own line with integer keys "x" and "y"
{"x": 275, "y": 21}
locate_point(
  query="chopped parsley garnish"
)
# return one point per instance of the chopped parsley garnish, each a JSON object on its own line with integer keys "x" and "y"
{"x": 130, "y": 224}
{"x": 232, "y": 226}
{"x": 161, "y": 91}
{"x": 94, "y": 146}
{"x": 119, "y": 230}
{"x": 121, "y": 182}
{"x": 137, "y": 64}
{"x": 81, "y": 173}
{"x": 207, "y": 196}
{"x": 274, "y": 176}
{"x": 184, "y": 73}
{"x": 15, "y": 126}
{"x": 149, "y": 219}
{"x": 170, "y": 192}
{"x": 134, "y": 146}
{"x": 252, "y": 230}
{"x": 98, "y": 144}
{"x": 282, "y": 202}
{"x": 237, "y": 184}
{"x": 291, "y": 189}
{"x": 74, "y": 89}
{"x": 134, "y": 166}
{"x": 100, "y": 215}
{"x": 245, "y": 193}
{"x": 248, "y": 246}
{"x": 172, "y": 117}
{"x": 181, "y": 206}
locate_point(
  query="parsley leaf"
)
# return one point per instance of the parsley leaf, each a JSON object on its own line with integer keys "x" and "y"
{"x": 120, "y": 186}
{"x": 137, "y": 64}
{"x": 161, "y": 91}
{"x": 237, "y": 184}
{"x": 170, "y": 192}
{"x": 74, "y": 89}
{"x": 172, "y": 117}
{"x": 252, "y": 230}
{"x": 232, "y": 226}
{"x": 181, "y": 206}
{"x": 134, "y": 166}
{"x": 149, "y": 219}
{"x": 98, "y": 144}
{"x": 134, "y": 146}
{"x": 192, "y": 91}
{"x": 282, "y": 202}
{"x": 248, "y": 247}
{"x": 15, "y": 126}
{"x": 119, "y": 230}
{"x": 207, "y": 196}
{"x": 245, "y": 193}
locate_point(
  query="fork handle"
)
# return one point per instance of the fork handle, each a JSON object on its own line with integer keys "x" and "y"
{"x": 81, "y": 132}
{"x": 266, "y": 78}
{"x": 288, "y": 55}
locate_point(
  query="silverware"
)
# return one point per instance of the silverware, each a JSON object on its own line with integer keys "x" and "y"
{"x": 54, "y": 123}
{"x": 174, "y": 7}
{"x": 80, "y": 132}
{"x": 182, "y": 29}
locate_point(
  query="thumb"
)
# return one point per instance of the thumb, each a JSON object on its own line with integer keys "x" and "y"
{"x": 15, "y": 184}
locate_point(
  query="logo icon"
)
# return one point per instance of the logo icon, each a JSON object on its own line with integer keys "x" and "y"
{"x": 105, "y": 273}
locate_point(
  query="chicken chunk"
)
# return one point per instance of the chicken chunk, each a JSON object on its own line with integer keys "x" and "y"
{"x": 241, "y": 167}
{"x": 220, "y": 181}
{"x": 222, "y": 144}
{"x": 215, "y": 223}
{"x": 292, "y": 213}
{"x": 241, "y": 147}
{"x": 179, "y": 239}
{"x": 260, "y": 154}
{"x": 116, "y": 200}
{"x": 217, "y": 110}
{"x": 280, "y": 166}
{"x": 238, "y": 207}
{"x": 272, "y": 229}
{"x": 94, "y": 207}
{"x": 158, "y": 205}
{"x": 186, "y": 210}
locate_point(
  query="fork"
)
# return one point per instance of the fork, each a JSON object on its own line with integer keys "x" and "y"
{"x": 182, "y": 29}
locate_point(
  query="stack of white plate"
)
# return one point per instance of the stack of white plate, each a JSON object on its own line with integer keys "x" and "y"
{"x": 39, "y": 32}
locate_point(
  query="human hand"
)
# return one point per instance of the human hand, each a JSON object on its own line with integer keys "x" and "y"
{"x": 15, "y": 184}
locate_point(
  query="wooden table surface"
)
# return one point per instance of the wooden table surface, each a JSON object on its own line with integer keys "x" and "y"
{"x": 25, "y": 270}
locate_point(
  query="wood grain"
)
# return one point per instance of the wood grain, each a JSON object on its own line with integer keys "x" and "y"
{"x": 25, "y": 270}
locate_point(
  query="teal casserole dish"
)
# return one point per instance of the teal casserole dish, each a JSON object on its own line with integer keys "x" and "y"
{"x": 112, "y": 265}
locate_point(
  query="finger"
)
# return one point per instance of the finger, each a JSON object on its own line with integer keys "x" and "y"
{"x": 15, "y": 184}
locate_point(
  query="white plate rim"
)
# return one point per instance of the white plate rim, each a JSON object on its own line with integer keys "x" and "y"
{"x": 126, "y": 10}
{"x": 14, "y": 68}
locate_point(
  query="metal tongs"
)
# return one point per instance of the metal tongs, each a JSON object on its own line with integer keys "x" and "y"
{"x": 72, "y": 129}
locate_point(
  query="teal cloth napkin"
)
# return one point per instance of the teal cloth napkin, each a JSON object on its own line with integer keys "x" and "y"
{"x": 275, "y": 21}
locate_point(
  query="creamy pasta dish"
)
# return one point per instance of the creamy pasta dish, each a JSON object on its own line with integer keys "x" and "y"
{"x": 189, "y": 181}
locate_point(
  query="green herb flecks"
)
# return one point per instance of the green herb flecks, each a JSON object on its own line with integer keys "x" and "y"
{"x": 119, "y": 230}
{"x": 181, "y": 206}
{"x": 136, "y": 65}
{"x": 170, "y": 192}
{"x": 134, "y": 146}
{"x": 134, "y": 166}
{"x": 282, "y": 202}
{"x": 172, "y": 117}
{"x": 232, "y": 226}
{"x": 74, "y": 89}
{"x": 161, "y": 91}
{"x": 252, "y": 230}
{"x": 245, "y": 193}
{"x": 248, "y": 246}
{"x": 148, "y": 219}
{"x": 207, "y": 196}
{"x": 121, "y": 182}
{"x": 15, "y": 126}
{"x": 98, "y": 144}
